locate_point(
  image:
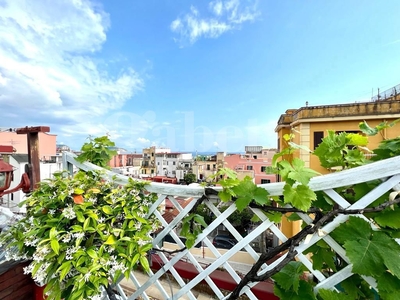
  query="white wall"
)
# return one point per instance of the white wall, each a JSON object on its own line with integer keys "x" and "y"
{"x": 46, "y": 171}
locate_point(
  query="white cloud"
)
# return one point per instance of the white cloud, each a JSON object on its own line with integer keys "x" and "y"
{"x": 48, "y": 69}
{"x": 143, "y": 140}
{"x": 223, "y": 16}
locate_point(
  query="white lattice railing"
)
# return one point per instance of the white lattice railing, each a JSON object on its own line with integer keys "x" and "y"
{"x": 388, "y": 171}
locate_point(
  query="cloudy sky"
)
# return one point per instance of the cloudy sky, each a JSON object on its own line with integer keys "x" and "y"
{"x": 188, "y": 75}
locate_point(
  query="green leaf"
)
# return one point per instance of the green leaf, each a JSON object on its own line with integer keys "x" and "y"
{"x": 275, "y": 217}
{"x": 388, "y": 286}
{"x": 365, "y": 128}
{"x": 190, "y": 242}
{"x": 323, "y": 256}
{"x": 304, "y": 292}
{"x": 185, "y": 227}
{"x": 135, "y": 258}
{"x": 111, "y": 240}
{"x": 199, "y": 219}
{"x": 261, "y": 196}
{"x": 373, "y": 255}
{"x": 55, "y": 246}
{"x": 86, "y": 224}
{"x": 107, "y": 209}
{"x": 225, "y": 195}
{"x": 352, "y": 229}
{"x": 64, "y": 268}
{"x": 300, "y": 196}
{"x": 300, "y": 173}
{"x": 53, "y": 233}
{"x": 293, "y": 217}
{"x": 289, "y": 277}
{"x": 389, "y": 218}
{"x": 92, "y": 253}
{"x": 145, "y": 263}
{"x": 356, "y": 139}
{"x": 79, "y": 216}
{"x": 243, "y": 202}
{"x": 333, "y": 295}
{"x": 78, "y": 191}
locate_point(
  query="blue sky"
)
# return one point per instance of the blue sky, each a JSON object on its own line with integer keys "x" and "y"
{"x": 188, "y": 75}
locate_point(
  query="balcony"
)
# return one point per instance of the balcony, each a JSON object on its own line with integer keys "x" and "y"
{"x": 387, "y": 171}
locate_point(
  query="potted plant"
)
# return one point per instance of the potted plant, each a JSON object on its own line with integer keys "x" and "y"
{"x": 81, "y": 232}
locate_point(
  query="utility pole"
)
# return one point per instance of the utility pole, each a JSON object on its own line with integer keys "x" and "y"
{"x": 33, "y": 168}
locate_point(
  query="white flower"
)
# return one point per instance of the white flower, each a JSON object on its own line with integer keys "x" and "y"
{"x": 69, "y": 212}
{"x": 67, "y": 238}
{"x": 78, "y": 235}
{"x": 87, "y": 276}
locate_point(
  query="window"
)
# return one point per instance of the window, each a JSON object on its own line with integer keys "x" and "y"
{"x": 265, "y": 181}
{"x": 263, "y": 168}
{"x": 318, "y": 136}
{"x": 173, "y": 163}
{"x": 255, "y": 156}
{"x": 158, "y": 163}
{"x": 249, "y": 168}
{"x": 208, "y": 167}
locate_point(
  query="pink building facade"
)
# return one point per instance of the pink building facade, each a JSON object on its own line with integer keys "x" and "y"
{"x": 47, "y": 143}
{"x": 246, "y": 165}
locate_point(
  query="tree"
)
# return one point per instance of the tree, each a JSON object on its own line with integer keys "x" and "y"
{"x": 190, "y": 178}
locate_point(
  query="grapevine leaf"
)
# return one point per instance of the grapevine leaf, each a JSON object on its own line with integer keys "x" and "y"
{"x": 323, "y": 256}
{"x": 300, "y": 173}
{"x": 299, "y": 196}
{"x": 200, "y": 219}
{"x": 356, "y": 287}
{"x": 365, "y": 128}
{"x": 261, "y": 196}
{"x": 389, "y": 218}
{"x": 293, "y": 217}
{"x": 365, "y": 254}
{"x": 365, "y": 257}
{"x": 243, "y": 202}
{"x": 275, "y": 217}
{"x": 357, "y": 139}
{"x": 289, "y": 277}
{"x": 246, "y": 191}
{"x": 189, "y": 242}
{"x": 351, "y": 230}
{"x": 333, "y": 295}
{"x": 285, "y": 168}
{"x": 229, "y": 182}
{"x": 305, "y": 291}
{"x": 388, "y": 286}
{"x": 225, "y": 195}
{"x": 390, "y": 251}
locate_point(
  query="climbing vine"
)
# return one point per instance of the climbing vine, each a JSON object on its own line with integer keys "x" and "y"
{"x": 372, "y": 250}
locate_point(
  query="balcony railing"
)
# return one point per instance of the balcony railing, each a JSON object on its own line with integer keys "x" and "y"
{"x": 388, "y": 171}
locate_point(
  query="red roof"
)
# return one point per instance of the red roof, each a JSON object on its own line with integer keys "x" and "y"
{"x": 7, "y": 149}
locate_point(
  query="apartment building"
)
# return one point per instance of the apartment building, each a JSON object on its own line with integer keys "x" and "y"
{"x": 309, "y": 124}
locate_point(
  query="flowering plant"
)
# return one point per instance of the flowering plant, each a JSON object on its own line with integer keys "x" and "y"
{"x": 81, "y": 232}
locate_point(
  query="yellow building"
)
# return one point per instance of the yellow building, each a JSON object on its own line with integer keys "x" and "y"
{"x": 149, "y": 162}
{"x": 310, "y": 124}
